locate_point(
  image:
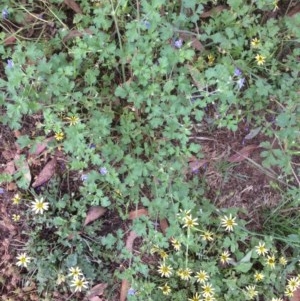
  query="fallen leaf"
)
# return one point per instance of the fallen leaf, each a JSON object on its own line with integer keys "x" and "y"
{"x": 12, "y": 186}
{"x": 10, "y": 40}
{"x": 76, "y": 33}
{"x": 197, "y": 164}
{"x": 40, "y": 147}
{"x": 194, "y": 42}
{"x": 137, "y": 213}
{"x": 97, "y": 290}
{"x": 213, "y": 11}
{"x": 10, "y": 168}
{"x": 253, "y": 133}
{"x": 163, "y": 225}
{"x": 46, "y": 173}
{"x": 296, "y": 296}
{"x": 125, "y": 284}
{"x": 95, "y": 298}
{"x": 295, "y": 10}
{"x": 94, "y": 213}
{"x": 242, "y": 154}
{"x": 8, "y": 154}
{"x": 73, "y": 5}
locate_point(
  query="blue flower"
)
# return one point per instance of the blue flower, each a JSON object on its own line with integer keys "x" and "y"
{"x": 147, "y": 24}
{"x": 103, "y": 171}
{"x": 10, "y": 63}
{"x": 131, "y": 292}
{"x": 237, "y": 72}
{"x": 5, "y": 13}
{"x": 178, "y": 43}
{"x": 241, "y": 82}
{"x": 84, "y": 177}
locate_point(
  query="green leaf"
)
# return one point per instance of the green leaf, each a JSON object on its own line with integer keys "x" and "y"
{"x": 243, "y": 267}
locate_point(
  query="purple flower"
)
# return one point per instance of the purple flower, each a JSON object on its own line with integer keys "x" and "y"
{"x": 178, "y": 43}
{"x": 84, "y": 177}
{"x": 5, "y": 13}
{"x": 147, "y": 24}
{"x": 103, "y": 171}
{"x": 237, "y": 72}
{"x": 241, "y": 82}
{"x": 131, "y": 292}
{"x": 2, "y": 190}
{"x": 10, "y": 63}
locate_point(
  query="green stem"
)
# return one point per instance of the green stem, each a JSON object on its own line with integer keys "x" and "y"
{"x": 113, "y": 13}
{"x": 187, "y": 248}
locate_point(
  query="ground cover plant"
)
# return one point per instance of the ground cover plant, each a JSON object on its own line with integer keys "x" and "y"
{"x": 150, "y": 150}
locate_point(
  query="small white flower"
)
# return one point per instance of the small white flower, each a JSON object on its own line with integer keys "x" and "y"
{"x": 39, "y": 206}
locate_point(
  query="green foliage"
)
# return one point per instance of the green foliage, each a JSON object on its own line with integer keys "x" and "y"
{"x": 136, "y": 81}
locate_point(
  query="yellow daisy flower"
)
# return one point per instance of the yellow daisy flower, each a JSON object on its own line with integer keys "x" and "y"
{"x": 261, "y": 249}
{"x": 165, "y": 270}
{"x": 59, "y": 136}
{"x": 196, "y": 297}
{"x": 258, "y": 276}
{"x": 39, "y": 206}
{"x": 225, "y": 257}
{"x": 207, "y": 236}
{"x": 201, "y": 276}
{"x": 23, "y": 260}
{"x": 271, "y": 261}
{"x": 208, "y": 290}
{"x": 79, "y": 284}
{"x": 260, "y": 59}
{"x": 75, "y": 272}
{"x": 251, "y": 291}
{"x": 166, "y": 290}
{"x": 189, "y": 222}
{"x": 16, "y": 199}
{"x": 176, "y": 244}
{"x": 72, "y": 119}
{"x": 255, "y": 43}
{"x": 228, "y": 223}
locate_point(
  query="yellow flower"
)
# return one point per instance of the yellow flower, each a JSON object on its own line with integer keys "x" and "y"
{"x": 207, "y": 236}
{"x": 207, "y": 290}
{"x": 202, "y": 276}
{"x": 176, "y": 244}
{"x": 60, "y": 279}
{"x": 39, "y": 206}
{"x": 275, "y": 3}
{"x": 184, "y": 274}
{"x": 282, "y": 261}
{"x": 23, "y": 260}
{"x": 59, "y": 136}
{"x": 15, "y": 217}
{"x": 251, "y": 291}
{"x": 228, "y": 223}
{"x": 189, "y": 222}
{"x": 72, "y": 119}
{"x": 79, "y": 284}
{"x": 225, "y": 257}
{"x": 154, "y": 249}
{"x": 293, "y": 283}
{"x": 16, "y": 199}
{"x": 255, "y": 43}
{"x": 165, "y": 270}
{"x": 260, "y": 59}
{"x": 258, "y": 276}
{"x": 75, "y": 272}
{"x": 162, "y": 254}
{"x": 211, "y": 59}
{"x": 271, "y": 261}
{"x": 288, "y": 292}
{"x": 166, "y": 290}
{"x": 196, "y": 297}
{"x": 261, "y": 249}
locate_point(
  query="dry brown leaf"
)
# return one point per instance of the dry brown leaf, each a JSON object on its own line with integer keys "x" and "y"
{"x": 195, "y": 43}
{"x": 10, "y": 168}
{"x": 125, "y": 284}
{"x": 242, "y": 154}
{"x": 95, "y": 298}
{"x": 163, "y": 225}
{"x": 76, "y": 33}
{"x": 96, "y": 291}
{"x": 8, "y": 154}
{"x": 94, "y": 213}
{"x": 197, "y": 164}
{"x": 40, "y": 147}
{"x": 46, "y": 173}
{"x": 12, "y": 186}
{"x": 137, "y": 213}
{"x": 295, "y": 10}
{"x": 73, "y": 5}
{"x": 296, "y": 296}
{"x": 10, "y": 40}
{"x": 213, "y": 11}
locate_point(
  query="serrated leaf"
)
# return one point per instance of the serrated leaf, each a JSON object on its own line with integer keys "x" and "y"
{"x": 46, "y": 173}
{"x": 243, "y": 267}
{"x": 253, "y": 133}
{"x": 94, "y": 213}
